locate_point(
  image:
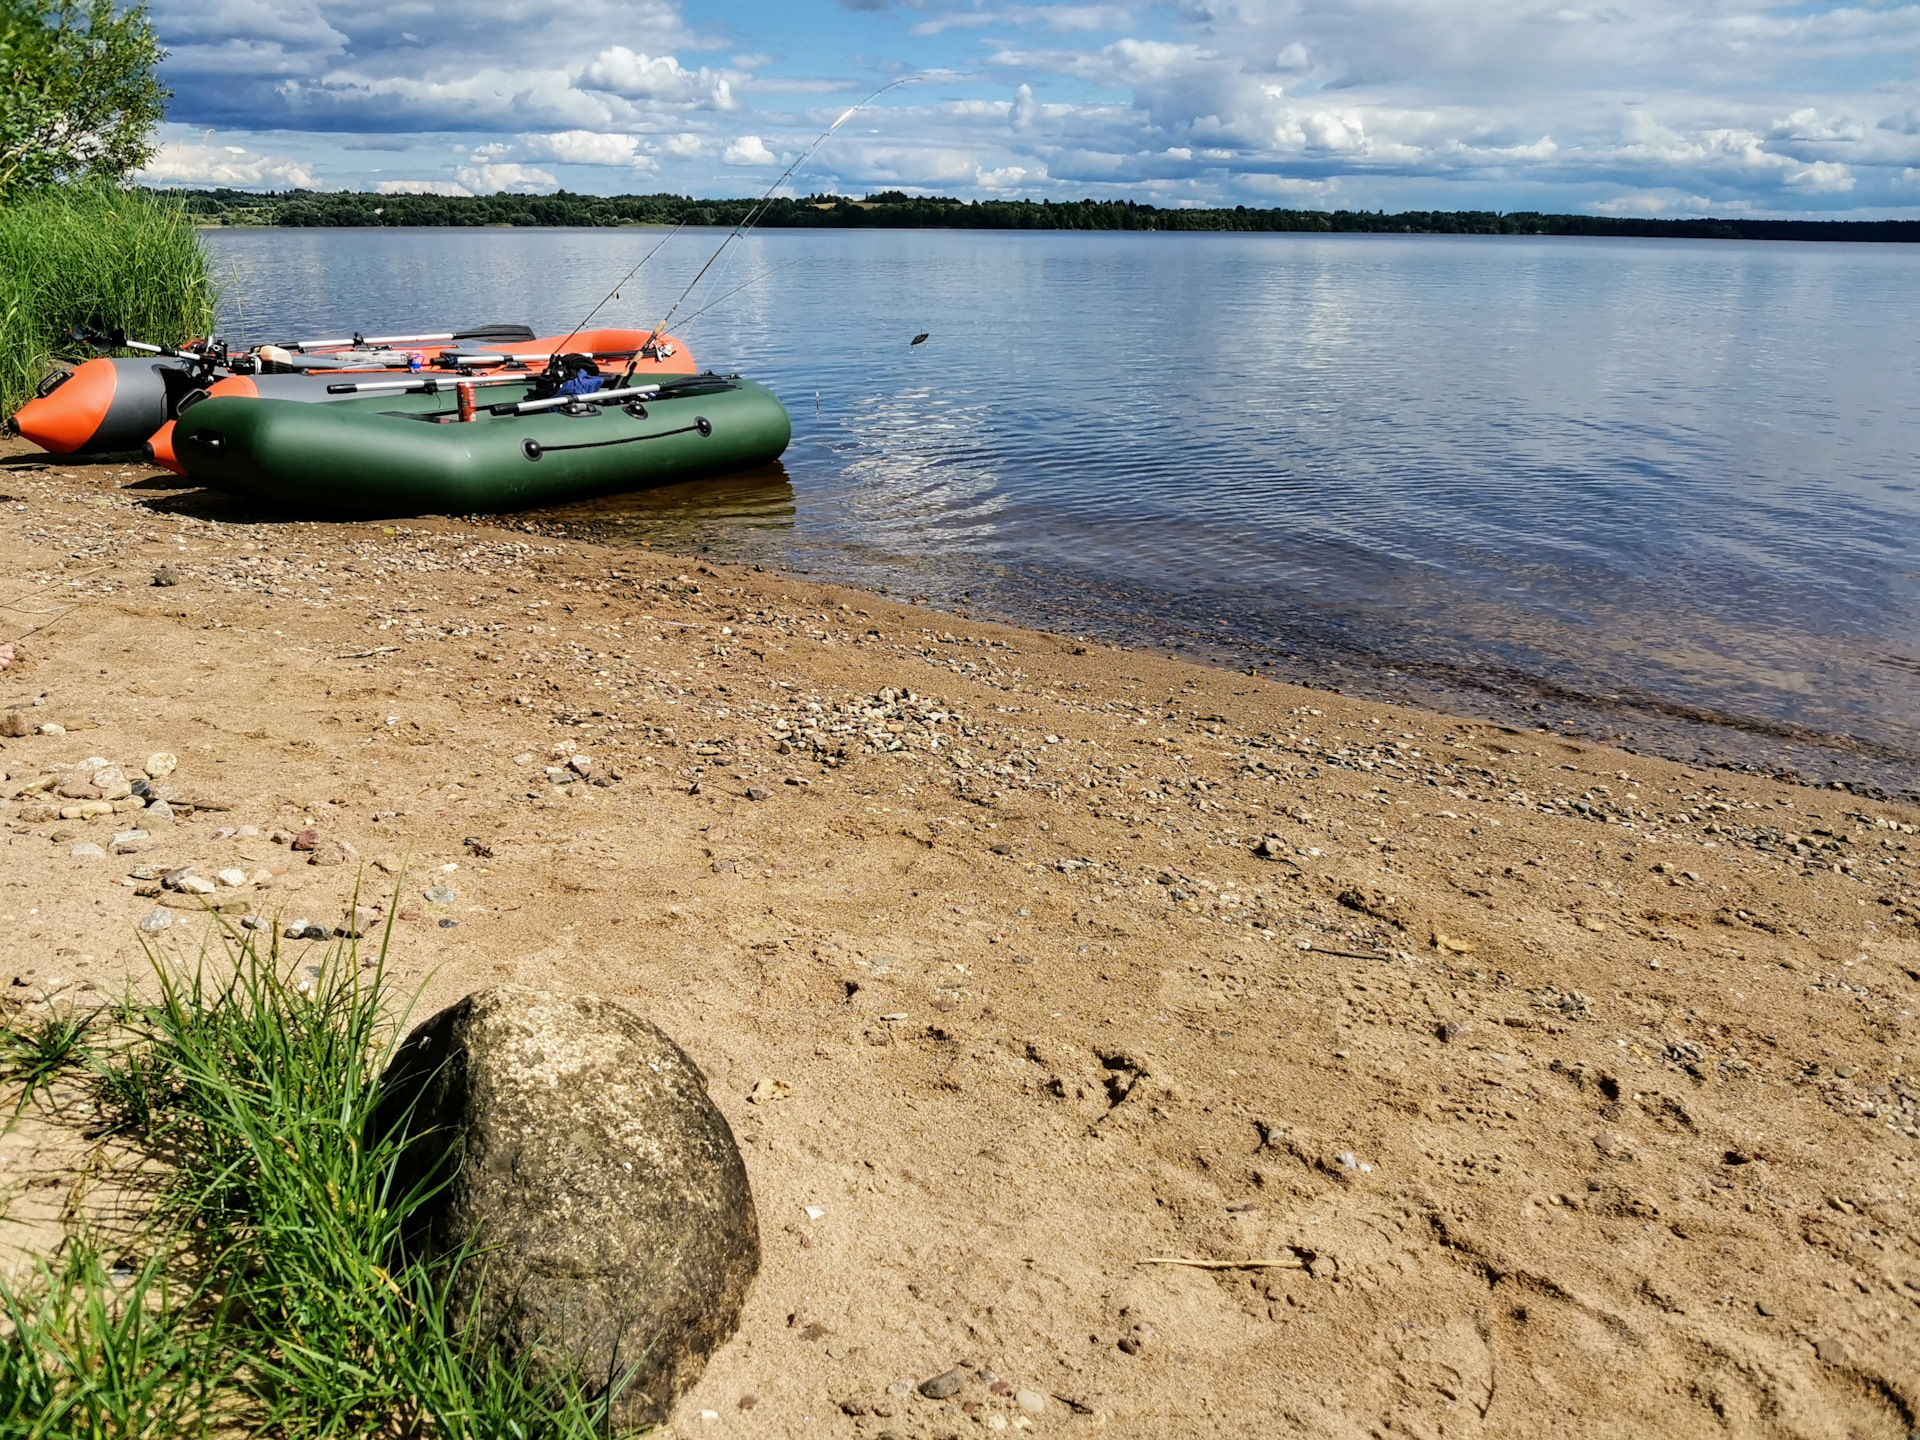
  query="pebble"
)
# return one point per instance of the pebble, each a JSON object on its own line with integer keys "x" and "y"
{"x": 581, "y": 764}
{"x": 156, "y": 922}
{"x": 1031, "y": 1401}
{"x": 441, "y": 895}
{"x": 231, "y": 877}
{"x": 327, "y": 854}
{"x": 161, "y": 764}
{"x": 129, "y": 841}
{"x": 448, "y": 924}
{"x": 255, "y": 922}
{"x": 88, "y": 852}
{"x": 942, "y": 1386}
{"x": 52, "y": 729}
{"x": 158, "y": 813}
{"x": 759, "y": 792}
{"x": 306, "y": 840}
{"x": 112, "y": 783}
{"x": 194, "y": 885}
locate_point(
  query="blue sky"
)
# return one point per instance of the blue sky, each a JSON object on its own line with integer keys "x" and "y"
{"x": 1640, "y": 107}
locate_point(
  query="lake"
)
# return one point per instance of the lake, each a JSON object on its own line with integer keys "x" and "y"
{"x": 1657, "y": 492}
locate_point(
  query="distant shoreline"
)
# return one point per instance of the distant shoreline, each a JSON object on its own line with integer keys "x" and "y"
{"x": 892, "y": 210}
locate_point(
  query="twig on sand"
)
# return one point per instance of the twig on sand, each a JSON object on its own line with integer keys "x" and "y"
{"x": 368, "y": 654}
{"x": 1292, "y": 1262}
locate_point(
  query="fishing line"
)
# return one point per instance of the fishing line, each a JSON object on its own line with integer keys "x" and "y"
{"x": 764, "y": 274}
{"x": 622, "y": 285}
{"x": 753, "y": 215}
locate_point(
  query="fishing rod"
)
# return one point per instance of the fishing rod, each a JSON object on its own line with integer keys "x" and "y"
{"x": 611, "y": 294}
{"x": 764, "y": 274}
{"x": 753, "y": 215}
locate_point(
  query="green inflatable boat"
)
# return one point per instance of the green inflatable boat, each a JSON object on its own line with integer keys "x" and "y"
{"x": 438, "y": 448}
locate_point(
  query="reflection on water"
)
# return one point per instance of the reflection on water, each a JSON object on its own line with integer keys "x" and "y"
{"x": 1660, "y": 491}
{"x": 726, "y": 517}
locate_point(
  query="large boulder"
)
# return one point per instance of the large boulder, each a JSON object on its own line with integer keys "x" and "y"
{"x": 586, "y": 1159}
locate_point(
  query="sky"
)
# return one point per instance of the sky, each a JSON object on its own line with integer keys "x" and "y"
{"x": 1623, "y": 107}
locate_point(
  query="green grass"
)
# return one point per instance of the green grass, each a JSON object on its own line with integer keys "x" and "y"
{"x": 279, "y": 1299}
{"x": 94, "y": 255}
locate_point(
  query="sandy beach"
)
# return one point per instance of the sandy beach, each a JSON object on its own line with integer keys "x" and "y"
{"x": 1481, "y": 1082}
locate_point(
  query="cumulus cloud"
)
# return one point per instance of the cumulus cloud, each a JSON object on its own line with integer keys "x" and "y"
{"x": 635, "y": 76}
{"x": 177, "y": 163}
{"x": 516, "y": 179}
{"x": 420, "y": 187}
{"x": 749, "y": 150}
{"x": 586, "y": 147}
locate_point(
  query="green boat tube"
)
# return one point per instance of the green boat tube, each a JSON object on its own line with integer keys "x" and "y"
{"x": 413, "y": 455}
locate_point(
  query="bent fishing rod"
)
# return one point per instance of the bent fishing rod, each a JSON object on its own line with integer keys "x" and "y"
{"x": 753, "y": 215}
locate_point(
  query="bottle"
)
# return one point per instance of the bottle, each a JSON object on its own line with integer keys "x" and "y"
{"x": 464, "y": 390}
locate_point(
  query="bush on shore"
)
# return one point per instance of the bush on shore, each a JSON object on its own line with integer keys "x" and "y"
{"x": 271, "y": 1292}
{"x": 96, "y": 255}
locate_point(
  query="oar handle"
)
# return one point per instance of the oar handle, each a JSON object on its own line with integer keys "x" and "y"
{"x": 554, "y": 402}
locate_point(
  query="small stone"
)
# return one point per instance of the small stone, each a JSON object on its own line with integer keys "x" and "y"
{"x": 759, "y": 792}
{"x": 52, "y": 729}
{"x": 387, "y": 864}
{"x": 942, "y": 1386}
{"x": 112, "y": 783}
{"x": 261, "y": 878}
{"x": 88, "y": 852}
{"x": 158, "y": 813}
{"x": 581, "y": 764}
{"x": 78, "y": 786}
{"x": 1830, "y": 1351}
{"x": 156, "y": 922}
{"x": 281, "y": 837}
{"x": 194, "y": 885}
{"x": 161, "y": 764}
{"x": 256, "y": 922}
{"x": 1031, "y": 1401}
{"x": 327, "y": 854}
{"x": 1611, "y": 1145}
{"x": 307, "y": 840}
{"x": 141, "y": 789}
{"x": 166, "y": 575}
{"x": 128, "y": 805}
{"x": 1452, "y": 1031}
{"x": 232, "y": 877}
{"x": 448, "y": 924}
{"x": 440, "y": 895}
{"x": 16, "y": 725}
{"x": 129, "y": 842}
{"x": 1129, "y": 1344}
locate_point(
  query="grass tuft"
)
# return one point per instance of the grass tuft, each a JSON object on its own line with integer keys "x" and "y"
{"x": 256, "y": 1082}
{"x": 93, "y": 254}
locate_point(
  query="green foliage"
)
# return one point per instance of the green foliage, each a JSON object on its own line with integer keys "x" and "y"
{"x": 94, "y": 1350}
{"x": 257, "y": 1084}
{"x": 896, "y": 210}
{"x": 94, "y": 255}
{"x": 78, "y": 95}
{"x": 33, "y": 1054}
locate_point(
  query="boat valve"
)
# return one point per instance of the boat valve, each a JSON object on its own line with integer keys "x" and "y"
{"x": 530, "y": 449}
{"x": 703, "y": 425}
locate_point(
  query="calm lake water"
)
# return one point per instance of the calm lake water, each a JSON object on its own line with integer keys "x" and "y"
{"x": 1663, "y": 492}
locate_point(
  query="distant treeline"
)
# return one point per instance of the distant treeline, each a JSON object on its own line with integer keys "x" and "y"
{"x": 892, "y": 210}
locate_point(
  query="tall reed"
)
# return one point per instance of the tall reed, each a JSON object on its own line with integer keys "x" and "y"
{"x": 94, "y": 255}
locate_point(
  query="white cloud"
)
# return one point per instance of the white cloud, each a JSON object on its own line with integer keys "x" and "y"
{"x": 420, "y": 187}
{"x": 586, "y": 147}
{"x": 178, "y": 163}
{"x": 748, "y": 150}
{"x": 517, "y": 179}
{"x": 635, "y": 76}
